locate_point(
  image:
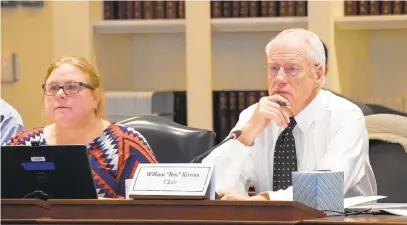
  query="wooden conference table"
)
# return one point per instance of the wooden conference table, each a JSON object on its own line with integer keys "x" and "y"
{"x": 32, "y": 211}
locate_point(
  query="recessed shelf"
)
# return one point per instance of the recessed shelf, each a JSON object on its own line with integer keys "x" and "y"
{"x": 258, "y": 24}
{"x": 140, "y": 26}
{"x": 372, "y": 22}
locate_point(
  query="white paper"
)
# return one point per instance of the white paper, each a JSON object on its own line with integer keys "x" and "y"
{"x": 128, "y": 183}
{"x": 353, "y": 201}
{"x": 282, "y": 195}
{"x": 381, "y": 206}
{"x": 398, "y": 212}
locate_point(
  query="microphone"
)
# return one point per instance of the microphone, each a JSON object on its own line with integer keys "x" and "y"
{"x": 233, "y": 136}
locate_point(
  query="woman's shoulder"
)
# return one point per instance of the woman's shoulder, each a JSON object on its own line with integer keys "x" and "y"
{"x": 123, "y": 130}
{"x": 26, "y": 136}
{"x": 127, "y": 134}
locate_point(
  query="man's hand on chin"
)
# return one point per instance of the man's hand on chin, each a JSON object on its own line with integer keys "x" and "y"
{"x": 238, "y": 197}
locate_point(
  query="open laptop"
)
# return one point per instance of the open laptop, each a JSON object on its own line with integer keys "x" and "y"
{"x": 46, "y": 172}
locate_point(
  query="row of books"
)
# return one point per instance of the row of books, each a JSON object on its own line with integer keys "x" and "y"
{"x": 127, "y": 10}
{"x": 227, "y": 9}
{"x": 364, "y": 8}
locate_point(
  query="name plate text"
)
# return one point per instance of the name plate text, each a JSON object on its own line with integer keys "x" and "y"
{"x": 184, "y": 180}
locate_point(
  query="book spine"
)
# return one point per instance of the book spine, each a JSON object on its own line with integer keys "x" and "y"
{"x": 159, "y": 10}
{"x": 363, "y": 8}
{"x": 121, "y": 10}
{"x": 254, "y": 10}
{"x": 252, "y": 98}
{"x": 129, "y": 10}
{"x": 272, "y": 9}
{"x": 290, "y": 8}
{"x": 224, "y": 115}
{"x": 108, "y": 10}
{"x": 234, "y": 113}
{"x": 216, "y": 9}
{"x": 397, "y": 7}
{"x": 235, "y": 8}
{"x": 282, "y": 8}
{"x": 264, "y": 6}
{"x": 227, "y": 9}
{"x": 148, "y": 10}
{"x": 301, "y": 8}
{"x": 181, "y": 9}
{"x": 386, "y": 8}
{"x": 138, "y": 9}
{"x": 374, "y": 7}
{"x": 171, "y": 9}
{"x": 241, "y": 101}
{"x": 244, "y": 8}
{"x": 351, "y": 8}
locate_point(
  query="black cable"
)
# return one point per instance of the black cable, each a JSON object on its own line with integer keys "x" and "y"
{"x": 38, "y": 194}
{"x": 364, "y": 211}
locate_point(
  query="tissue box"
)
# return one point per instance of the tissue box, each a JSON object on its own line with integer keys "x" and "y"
{"x": 320, "y": 190}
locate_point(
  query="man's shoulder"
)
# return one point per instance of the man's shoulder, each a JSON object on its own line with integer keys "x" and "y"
{"x": 9, "y": 111}
{"x": 340, "y": 104}
{"x": 342, "y": 111}
{"x": 343, "y": 101}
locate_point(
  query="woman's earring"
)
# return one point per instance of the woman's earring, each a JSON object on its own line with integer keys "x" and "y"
{"x": 43, "y": 117}
{"x": 43, "y": 114}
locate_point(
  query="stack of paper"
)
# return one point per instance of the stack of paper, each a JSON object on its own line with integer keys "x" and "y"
{"x": 361, "y": 203}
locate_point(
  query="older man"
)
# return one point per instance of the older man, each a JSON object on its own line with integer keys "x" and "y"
{"x": 297, "y": 127}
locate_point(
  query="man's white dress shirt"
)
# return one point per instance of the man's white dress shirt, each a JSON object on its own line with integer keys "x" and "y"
{"x": 330, "y": 135}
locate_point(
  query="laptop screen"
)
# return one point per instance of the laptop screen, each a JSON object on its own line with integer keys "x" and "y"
{"x": 52, "y": 171}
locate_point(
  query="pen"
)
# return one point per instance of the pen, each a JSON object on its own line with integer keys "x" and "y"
{"x": 283, "y": 103}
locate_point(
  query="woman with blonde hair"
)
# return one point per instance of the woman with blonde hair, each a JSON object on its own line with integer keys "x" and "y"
{"x": 73, "y": 103}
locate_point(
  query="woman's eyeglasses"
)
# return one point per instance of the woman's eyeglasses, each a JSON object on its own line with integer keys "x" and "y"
{"x": 68, "y": 88}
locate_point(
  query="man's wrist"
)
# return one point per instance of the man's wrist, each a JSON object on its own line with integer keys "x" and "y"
{"x": 246, "y": 137}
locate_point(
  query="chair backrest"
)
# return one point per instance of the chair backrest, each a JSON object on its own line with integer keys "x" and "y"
{"x": 379, "y": 109}
{"x": 172, "y": 142}
{"x": 389, "y": 163}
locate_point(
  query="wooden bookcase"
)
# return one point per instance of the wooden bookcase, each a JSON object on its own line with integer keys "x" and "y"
{"x": 200, "y": 54}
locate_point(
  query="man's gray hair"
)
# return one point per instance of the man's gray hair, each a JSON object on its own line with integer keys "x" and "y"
{"x": 315, "y": 47}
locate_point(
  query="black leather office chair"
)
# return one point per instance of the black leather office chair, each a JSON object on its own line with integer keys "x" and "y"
{"x": 379, "y": 109}
{"x": 389, "y": 163}
{"x": 170, "y": 141}
{"x": 388, "y": 156}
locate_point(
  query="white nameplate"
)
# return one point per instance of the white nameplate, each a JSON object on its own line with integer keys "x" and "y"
{"x": 173, "y": 181}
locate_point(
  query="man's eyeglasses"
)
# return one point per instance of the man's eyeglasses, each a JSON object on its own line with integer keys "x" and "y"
{"x": 291, "y": 70}
{"x": 68, "y": 88}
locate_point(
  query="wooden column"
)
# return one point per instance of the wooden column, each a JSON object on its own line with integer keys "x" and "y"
{"x": 321, "y": 20}
{"x": 199, "y": 64}
{"x": 72, "y": 28}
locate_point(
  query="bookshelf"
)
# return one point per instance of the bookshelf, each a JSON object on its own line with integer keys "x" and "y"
{"x": 372, "y": 22}
{"x": 260, "y": 24}
{"x": 201, "y": 54}
{"x": 161, "y": 26}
